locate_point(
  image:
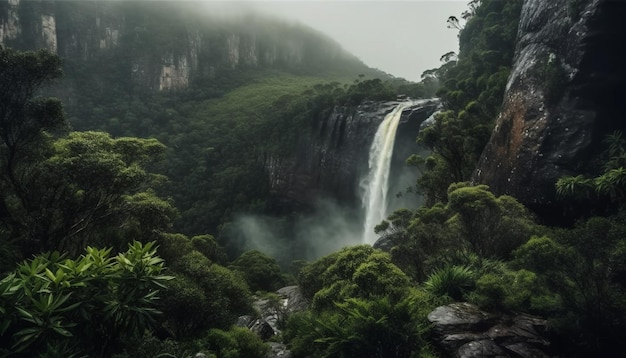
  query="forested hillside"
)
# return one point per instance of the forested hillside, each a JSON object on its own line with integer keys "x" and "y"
{"x": 126, "y": 150}
{"x": 212, "y": 88}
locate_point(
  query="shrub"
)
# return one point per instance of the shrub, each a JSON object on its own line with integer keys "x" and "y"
{"x": 510, "y": 291}
{"x": 452, "y": 281}
{"x": 374, "y": 327}
{"x": 353, "y": 272}
{"x": 222, "y": 295}
{"x": 56, "y": 306}
{"x": 261, "y": 272}
{"x": 235, "y": 343}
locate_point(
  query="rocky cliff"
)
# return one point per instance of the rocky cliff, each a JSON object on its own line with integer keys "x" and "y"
{"x": 331, "y": 160}
{"x": 566, "y": 92}
{"x": 165, "y": 45}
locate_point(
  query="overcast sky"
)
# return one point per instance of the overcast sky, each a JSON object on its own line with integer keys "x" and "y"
{"x": 402, "y": 38}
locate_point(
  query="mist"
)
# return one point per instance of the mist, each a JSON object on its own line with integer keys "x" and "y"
{"x": 325, "y": 229}
{"x": 401, "y": 38}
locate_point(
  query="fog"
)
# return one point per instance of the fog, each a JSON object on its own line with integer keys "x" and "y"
{"x": 402, "y": 38}
{"x": 309, "y": 236}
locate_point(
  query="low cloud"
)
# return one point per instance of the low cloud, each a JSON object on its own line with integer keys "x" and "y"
{"x": 324, "y": 230}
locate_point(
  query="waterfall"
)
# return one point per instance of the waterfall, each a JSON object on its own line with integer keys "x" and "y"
{"x": 376, "y": 183}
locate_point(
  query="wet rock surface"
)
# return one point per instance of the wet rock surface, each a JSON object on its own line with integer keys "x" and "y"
{"x": 271, "y": 314}
{"x": 464, "y": 331}
{"x": 331, "y": 159}
{"x": 565, "y": 93}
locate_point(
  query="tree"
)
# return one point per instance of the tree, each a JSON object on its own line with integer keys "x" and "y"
{"x": 67, "y": 192}
{"x": 584, "y": 268}
{"x": 492, "y": 226}
{"x": 473, "y": 84}
{"x": 353, "y": 272}
{"x": 92, "y": 189}
{"x": 260, "y": 271}
{"x": 25, "y": 125}
{"x": 204, "y": 295}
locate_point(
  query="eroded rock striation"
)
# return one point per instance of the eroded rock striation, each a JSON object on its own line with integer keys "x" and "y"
{"x": 331, "y": 159}
{"x": 565, "y": 93}
{"x": 465, "y": 331}
{"x": 164, "y": 47}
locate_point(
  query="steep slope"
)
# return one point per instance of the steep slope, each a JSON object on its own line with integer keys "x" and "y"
{"x": 217, "y": 90}
{"x": 565, "y": 93}
{"x": 169, "y": 44}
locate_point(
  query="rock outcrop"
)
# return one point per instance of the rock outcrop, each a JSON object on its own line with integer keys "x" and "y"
{"x": 565, "y": 93}
{"x": 161, "y": 47}
{"x": 464, "y": 331}
{"x": 331, "y": 159}
{"x": 273, "y": 313}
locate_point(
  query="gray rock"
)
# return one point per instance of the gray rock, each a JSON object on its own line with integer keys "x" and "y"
{"x": 294, "y": 301}
{"x": 524, "y": 350}
{"x": 452, "y": 342}
{"x": 548, "y": 129}
{"x": 244, "y": 321}
{"x": 464, "y": 330}
{"x": 459, "y": 317}
{"x": 481, "y": 349}
{"x": 262, "y": 328}
{"x": 272, "y": 314}
{"x": 278, "y": 350}
{"x": 329, "y": 160}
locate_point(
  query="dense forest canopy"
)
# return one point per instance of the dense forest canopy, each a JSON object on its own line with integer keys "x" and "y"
{"x": 256, "y": 83}
{"x": 114, "y": 194}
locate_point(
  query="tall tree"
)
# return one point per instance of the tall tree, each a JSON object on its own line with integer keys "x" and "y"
{"x": 25, "y": 122}
{"x": 66, "y": 192}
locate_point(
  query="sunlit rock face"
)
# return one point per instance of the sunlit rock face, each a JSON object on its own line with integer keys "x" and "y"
{"x": 331, "y": 160}
{"x": 161, "y": 47}
{"x": 566, "y": 92}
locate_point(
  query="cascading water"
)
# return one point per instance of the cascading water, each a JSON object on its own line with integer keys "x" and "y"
{"x": 375, "y": 185}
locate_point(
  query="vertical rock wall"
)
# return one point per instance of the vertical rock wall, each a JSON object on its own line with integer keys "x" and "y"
{"x": 331, "y": 159}
{"x": 165, "y": 47}
{"x": 564, "y": 95}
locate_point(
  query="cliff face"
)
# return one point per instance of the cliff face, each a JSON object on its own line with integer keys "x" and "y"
{"x": 331, "y": 160}
{"x": 161, "y": 46}
{"x": 565, "y": 93}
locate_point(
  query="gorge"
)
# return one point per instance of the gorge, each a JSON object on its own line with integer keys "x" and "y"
{"x": 375, "y": 185}
{"x": 135, "y": 70}
{"x": 326, "y": 174}
{"x": 189, "y": 166}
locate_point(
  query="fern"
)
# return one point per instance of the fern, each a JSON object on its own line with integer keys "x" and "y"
{"x": 452, "y": 281}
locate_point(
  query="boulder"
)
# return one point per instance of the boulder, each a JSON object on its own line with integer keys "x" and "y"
{"x": 293, "y": 300}
{"x": 262, "y": 328}
{"x": 463, "y": 330}
{"x": 278, "y": 350}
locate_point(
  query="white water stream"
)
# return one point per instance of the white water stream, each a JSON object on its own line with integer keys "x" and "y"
{"x": 375, "y": 185}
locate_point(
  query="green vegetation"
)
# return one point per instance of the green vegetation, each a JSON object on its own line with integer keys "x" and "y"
{"x": 261, "y": 272}
{"x": 472, "y": 90}
{"x": 88, "y": 218}
{"x": 362, "y": 305}
{"x": 70, "y": 192}
{"x": 56, "y": 304}
{"x": 607, "y": 187}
